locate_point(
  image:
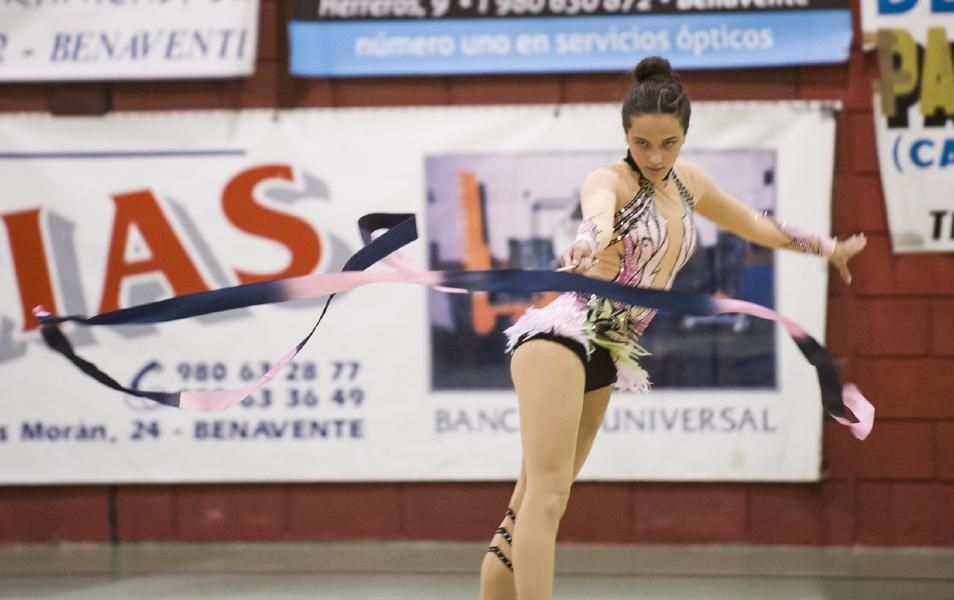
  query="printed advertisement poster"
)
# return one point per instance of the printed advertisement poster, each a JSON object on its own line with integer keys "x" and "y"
{"x": 399, "y": 383}
{"x": 332, "y": 38}
{"x": 914, "y": 119}
{"x": 103, "y": 41}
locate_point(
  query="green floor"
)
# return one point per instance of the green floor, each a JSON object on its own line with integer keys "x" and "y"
{"x": 449, "y": 571}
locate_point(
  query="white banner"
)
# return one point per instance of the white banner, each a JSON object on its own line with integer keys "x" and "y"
{"x": 399, "y": 383}
{"x": 71, "y": 40}
{"x": 914, "y": 118}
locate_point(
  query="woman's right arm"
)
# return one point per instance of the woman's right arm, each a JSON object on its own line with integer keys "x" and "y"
{"x": 597, "y": 203}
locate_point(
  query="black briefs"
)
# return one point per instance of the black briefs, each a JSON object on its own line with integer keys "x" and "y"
{"x": 598, "y": 368}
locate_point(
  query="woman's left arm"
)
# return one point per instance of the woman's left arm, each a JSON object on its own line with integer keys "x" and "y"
{"x": 765, "y": 230}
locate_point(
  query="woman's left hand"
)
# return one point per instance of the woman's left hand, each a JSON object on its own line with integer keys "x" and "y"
{"x": 844, "y": 251}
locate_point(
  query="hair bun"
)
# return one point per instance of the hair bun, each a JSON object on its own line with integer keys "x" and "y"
{"x": 653, "y": 67}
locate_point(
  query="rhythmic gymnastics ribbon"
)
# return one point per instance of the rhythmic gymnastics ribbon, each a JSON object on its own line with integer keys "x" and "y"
{"x": 845, "y": 404}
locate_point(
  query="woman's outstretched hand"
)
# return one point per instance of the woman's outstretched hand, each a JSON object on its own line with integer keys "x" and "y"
{"x": 844, "y": 251}
{"x": 578, "y": 258}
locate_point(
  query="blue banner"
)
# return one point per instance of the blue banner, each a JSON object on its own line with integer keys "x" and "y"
{"x": 356, "y": 47}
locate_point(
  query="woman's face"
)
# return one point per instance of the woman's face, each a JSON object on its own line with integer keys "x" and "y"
{"x": 655, "y": 141}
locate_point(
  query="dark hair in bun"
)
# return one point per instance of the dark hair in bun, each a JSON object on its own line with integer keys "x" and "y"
{"x": 657, "y": 89}
{"x": 653, "y": 67}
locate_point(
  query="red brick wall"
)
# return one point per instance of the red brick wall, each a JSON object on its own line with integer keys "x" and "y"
{"x": 897, "y": 488}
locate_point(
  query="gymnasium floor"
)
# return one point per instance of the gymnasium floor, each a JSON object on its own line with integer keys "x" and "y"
{"x": 424, "y": 570}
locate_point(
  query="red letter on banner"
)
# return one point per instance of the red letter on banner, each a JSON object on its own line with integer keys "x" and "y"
{"x": 238, "y": 202}
{"x": 29, "y": 262}
{"x": 168, "y": 256}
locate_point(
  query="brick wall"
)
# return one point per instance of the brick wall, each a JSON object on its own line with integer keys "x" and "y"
{"x": 897, "y": 488}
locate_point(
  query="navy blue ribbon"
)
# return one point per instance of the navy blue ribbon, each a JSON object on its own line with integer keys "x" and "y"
{"x": 400, "y": 230}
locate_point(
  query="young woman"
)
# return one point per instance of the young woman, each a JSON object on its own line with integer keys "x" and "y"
{"x": 637, "y": 230}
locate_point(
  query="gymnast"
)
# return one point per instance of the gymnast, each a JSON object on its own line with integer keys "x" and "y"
{"x": 637, "y": 230}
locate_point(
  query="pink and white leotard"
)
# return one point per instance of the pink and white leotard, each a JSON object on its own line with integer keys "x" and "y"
{"x": 653, "y": 237}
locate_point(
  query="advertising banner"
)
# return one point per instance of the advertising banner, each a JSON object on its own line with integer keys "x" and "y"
{"x": 103, "y": 41}
{"x": 914, "y": 118}
{"x": 399, "y": 382}
{"x": 331, "y": 38}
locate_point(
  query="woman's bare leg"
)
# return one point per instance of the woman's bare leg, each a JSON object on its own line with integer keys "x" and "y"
{"x": 496, "y": 580}
{"x": 594, "y": 407}
{"x": 549, "y": 382}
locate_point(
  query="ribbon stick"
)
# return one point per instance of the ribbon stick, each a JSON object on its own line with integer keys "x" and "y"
{"x": 846, "y": 405}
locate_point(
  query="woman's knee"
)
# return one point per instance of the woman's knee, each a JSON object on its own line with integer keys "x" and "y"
{"x": 549, "y": 497}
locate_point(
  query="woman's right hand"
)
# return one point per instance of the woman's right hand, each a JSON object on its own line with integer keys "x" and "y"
{"x": 578, "y": 258}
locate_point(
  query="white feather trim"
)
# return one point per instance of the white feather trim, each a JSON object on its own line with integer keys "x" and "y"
{"x": 564, "y": 316}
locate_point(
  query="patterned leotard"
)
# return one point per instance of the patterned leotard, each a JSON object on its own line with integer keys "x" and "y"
{"x": 649, "y": 250}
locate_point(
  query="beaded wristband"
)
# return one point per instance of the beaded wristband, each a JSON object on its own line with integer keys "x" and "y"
{"x": 805, "y": 242}
{"x": 587, "y": 233}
